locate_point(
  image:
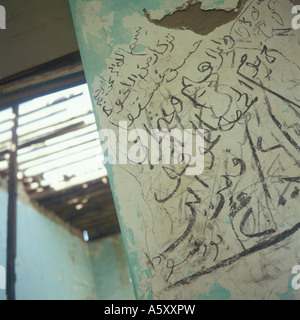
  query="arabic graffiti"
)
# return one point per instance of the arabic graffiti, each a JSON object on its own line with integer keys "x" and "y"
{"x": 241, "y": 86}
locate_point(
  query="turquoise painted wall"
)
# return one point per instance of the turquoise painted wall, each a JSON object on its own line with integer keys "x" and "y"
{"x": 52, "y": 263}
{"x": 110, "y": 269}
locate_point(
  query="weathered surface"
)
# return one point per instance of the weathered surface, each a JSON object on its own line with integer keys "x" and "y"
{"x": 233, "y": 231}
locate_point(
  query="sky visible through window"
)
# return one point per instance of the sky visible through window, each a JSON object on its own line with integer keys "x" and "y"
{"x": 65, "y": 149}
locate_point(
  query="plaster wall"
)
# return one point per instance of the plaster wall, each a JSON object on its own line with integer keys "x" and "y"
{"x": 231, "y": 232}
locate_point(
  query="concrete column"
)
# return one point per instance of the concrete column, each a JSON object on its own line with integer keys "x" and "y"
{"x": 214, "y": 213}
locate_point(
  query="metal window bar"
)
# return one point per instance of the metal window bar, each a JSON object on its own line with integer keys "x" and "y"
{"x": 12, "y": 212}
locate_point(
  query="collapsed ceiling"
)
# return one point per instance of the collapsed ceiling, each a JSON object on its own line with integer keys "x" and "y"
{"x": 60, "y": 161}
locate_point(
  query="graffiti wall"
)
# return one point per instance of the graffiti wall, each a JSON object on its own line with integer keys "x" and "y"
{"x": 199, "y": 104}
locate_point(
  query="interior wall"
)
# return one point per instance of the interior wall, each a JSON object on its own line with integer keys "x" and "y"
{"x": 54, "y": 264}
{"x": 50, "y": 262}
{"x": 110, "y": 269}
{"x": 232, "y": 230}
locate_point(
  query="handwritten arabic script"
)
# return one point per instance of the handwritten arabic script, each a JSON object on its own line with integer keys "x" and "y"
{"x": 241, "y": 86}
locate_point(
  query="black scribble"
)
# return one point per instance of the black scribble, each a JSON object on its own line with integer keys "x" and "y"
{"x": 229, "y": 86}
{"x": 14, "y": 16}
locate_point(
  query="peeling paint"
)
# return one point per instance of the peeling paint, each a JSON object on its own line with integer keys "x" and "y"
{"x": 219, "y": 4}
{"x": 171, "y": 7}
{"x": 289, "y": 294}
{"x": 217, "y": 292}
{"x": 183, "y": 232}
{"x": 199, "y": 20}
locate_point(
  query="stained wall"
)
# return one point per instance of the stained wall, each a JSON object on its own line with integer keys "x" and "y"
{"x": 230, "y": 68}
